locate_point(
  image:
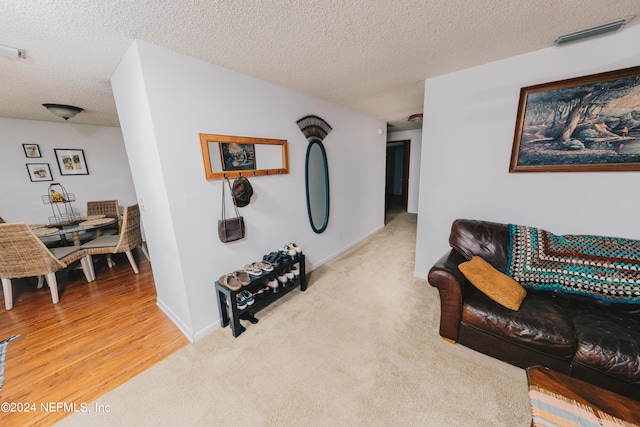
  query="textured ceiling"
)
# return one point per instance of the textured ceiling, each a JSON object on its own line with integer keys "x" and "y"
{"x": 371, "y": 56}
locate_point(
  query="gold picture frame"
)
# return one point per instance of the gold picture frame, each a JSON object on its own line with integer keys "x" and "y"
{"x": 588, "y": 123}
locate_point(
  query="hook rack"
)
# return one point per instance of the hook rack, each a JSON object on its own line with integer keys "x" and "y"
{"x": 269, "y": 149}
{"x": 252, "y": 173}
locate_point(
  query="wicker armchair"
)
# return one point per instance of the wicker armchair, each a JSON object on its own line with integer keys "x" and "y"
{"x": 2, "y": 221}
{"x": 129, "y": 238}
{"x": 108, "y": 208}
{"x": 22, "y": 254}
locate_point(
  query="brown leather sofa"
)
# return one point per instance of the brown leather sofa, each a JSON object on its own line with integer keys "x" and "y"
{"x": 589, "y": 339}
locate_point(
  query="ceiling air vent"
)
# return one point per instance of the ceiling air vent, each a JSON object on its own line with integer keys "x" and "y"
{"x": 592, "y": 32}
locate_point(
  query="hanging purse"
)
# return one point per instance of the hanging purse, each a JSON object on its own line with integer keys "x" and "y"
{"x": 230, "y": 229}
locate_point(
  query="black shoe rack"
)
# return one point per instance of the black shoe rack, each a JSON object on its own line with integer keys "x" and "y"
{"x": 227, "y": 305}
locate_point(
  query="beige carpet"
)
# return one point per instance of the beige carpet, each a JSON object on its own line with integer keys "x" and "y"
{"x": 359, "y": 347}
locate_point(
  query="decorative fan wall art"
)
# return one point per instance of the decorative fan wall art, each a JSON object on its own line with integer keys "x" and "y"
{"x": 314, "y": 127}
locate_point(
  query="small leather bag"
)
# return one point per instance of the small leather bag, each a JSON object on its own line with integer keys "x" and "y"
{"x": 230, "y": 229}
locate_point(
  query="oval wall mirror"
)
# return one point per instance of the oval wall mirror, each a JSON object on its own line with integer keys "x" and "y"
{"x": 317, "y": 186}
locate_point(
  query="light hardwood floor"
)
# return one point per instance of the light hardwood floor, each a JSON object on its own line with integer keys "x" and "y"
{"x": 97, "y": 337}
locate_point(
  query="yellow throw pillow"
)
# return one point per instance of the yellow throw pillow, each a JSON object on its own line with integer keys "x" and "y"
{"x": 494, "y": 284}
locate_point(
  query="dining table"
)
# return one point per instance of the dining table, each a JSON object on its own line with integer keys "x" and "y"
{"x": 84, "y": 224}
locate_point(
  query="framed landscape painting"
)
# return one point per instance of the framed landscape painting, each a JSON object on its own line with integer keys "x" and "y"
{"x": 236, "y": 156}
{"x": 589, "y": 123}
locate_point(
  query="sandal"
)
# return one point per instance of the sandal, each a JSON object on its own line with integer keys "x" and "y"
{"x": 230, "y": 281}
{"x": 253, "y": 269}
{"x": 243, "y": 277}
{"x": 265, "y": 265}
{"x": 272, "y": 258}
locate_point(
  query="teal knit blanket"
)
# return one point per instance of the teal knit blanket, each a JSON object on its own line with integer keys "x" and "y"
{"x": 607, "y": 268}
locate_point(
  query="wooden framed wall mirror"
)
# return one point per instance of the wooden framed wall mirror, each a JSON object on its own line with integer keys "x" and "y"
{"x": 234, "y": 156}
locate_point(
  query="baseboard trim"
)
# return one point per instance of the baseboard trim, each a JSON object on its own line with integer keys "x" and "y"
{"x": 420, "y": 274}
{"x": 341, "y": 251}
{"x": 175, "y": 319}
{"x": 195, "y": 336}
{"x": 207, "y": 330}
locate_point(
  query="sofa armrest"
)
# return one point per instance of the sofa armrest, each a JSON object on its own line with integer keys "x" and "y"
{"x": 450, "y": 282}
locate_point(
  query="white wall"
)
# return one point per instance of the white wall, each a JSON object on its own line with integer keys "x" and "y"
{"x": 164, "y": 101}
{"x": 415, "y": 136}
{"x": 466, "y": 146}
{"x": 109, "y": 176}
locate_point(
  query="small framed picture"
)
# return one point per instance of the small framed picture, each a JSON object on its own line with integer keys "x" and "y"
{"x": 31, "y": 150}
{"x": 71, "y": 161}
{"x": 237, "y": 156}
{"x": 39, "y": 172}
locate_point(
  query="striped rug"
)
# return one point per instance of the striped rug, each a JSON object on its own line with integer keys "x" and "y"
{"x": 553, "y": 410}
{"x": 3, "y": 353}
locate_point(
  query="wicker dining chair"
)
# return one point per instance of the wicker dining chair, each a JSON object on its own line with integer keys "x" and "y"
{"x": 22, "y": 254}
{"x": 108, "y": 208}
{"x": 130, "y": 237}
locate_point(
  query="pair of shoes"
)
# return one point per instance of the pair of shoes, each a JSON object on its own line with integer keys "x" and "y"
{"x": 248, "y": 297}
{"x": 271, "y": 257}
{"x": 295, "y": 270}
{"x": 291, "y": 249}
{"x": 271, "y": 283}
{"x": 288, "y": 250}
{"x": 256, "y": 268}
{"x": 253, "y": 269}
{"x": 230, "y": 281}
{"x": 241, "y": 303}
{"x": 295, "y": 247}
{"x": 265, "y": 265}
{"x": 244, "y": 299}
{"x": 283, "y": 279}
{"x": 235, "y": 280}
{"x": 243, "y": 277}
{"x": 275, "y": 258}
{"x": 262, "y": 291}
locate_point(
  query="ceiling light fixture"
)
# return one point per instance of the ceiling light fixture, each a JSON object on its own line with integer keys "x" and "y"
{"x": 415, "y": 118}
{"x": 592, "y": 32}
{"x": 64, "y": 111}
{"x": 11, "y": 52}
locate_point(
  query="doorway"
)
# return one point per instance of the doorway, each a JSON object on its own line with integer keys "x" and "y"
{"x": 397, "y": 177}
